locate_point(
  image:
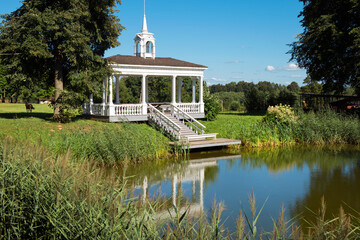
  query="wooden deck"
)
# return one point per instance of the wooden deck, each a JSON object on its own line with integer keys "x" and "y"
{"x": 207, "y": 143}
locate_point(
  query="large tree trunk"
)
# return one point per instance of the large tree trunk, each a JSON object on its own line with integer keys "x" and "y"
{"x": 59, "y": 85}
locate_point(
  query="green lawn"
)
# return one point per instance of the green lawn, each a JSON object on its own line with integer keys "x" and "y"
{"x": 20, "y": 108}
{"x": 86, "y": 139}
{"x": 227, "y": 125}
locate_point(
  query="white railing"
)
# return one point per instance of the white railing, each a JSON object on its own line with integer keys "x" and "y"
{"x": 128, "y": 109}
{"x": 98, "y": 109}
{"x": 194, "y": 124}
{"x": 189, "y": 107}
{"x": 164, "y": 122}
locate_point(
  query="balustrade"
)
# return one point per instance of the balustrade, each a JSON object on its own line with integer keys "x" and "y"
{"x": 189, "y": 107}
{"x": 128, "y": 109}
{"x": 96, "y": 109}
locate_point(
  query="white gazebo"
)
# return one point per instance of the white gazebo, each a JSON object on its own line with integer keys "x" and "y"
{"x": 145, "y": 64}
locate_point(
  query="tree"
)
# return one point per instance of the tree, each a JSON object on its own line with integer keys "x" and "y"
{"x": 3, "y": 83}
{"x": 293, "y": 87}
{"x": 329, "y": 47}
{"x": 311, "y": 86}
{"x": 60, "y": 43}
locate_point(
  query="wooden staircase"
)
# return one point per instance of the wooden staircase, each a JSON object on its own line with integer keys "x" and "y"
{"x": 185, "y": 130}
{"x": 179, "y": 124}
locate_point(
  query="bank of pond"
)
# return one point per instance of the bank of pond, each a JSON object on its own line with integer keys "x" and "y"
{"x": 299, "y": 192}
{"x": 90, "y": 179}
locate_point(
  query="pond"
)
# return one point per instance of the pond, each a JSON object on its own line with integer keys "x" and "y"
{"x": 295, "y": 177}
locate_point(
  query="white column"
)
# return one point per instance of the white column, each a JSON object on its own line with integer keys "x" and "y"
{"x": 103, "y": 98}
{"x": 201, "y": 183}
{"x": 174, "y": 184}
{"x": 194, "y": 90}
{"x": 111, "y": 103}
{"x": 110, "y": 90}
{"x": 91, "y": 101}
{"x": 201, "y": 95}
{"x": 173, "y": 92}
{"x": 143, "y": 95}
{"x": 179, "y": 90}
{"x": 117, "y": 97}
{"x": 104, "y": 92}
{"x": 147, "y": 90}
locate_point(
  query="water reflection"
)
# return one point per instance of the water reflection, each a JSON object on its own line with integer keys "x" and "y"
{"x": 294, "y": 176}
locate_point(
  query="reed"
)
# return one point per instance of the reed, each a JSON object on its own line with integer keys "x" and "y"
{"x": 51, "y": 197}
{"x": 321, "y": 128}
{"x": 104, "y": 143}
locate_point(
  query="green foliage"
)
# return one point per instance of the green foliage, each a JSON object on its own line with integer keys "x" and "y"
{"x": 212, "y": 105}
{"x": 256, "y": 100}
{"x": 328, "y": 48}
{"x": 256, "y": 97}
{"x": 62, "y": 42}
{"x": 234, "y": 106}
{"x": 227, "y": 98}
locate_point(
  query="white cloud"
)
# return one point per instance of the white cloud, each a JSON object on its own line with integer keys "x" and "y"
{"x": 235, "y": 61}
{"x": 287, "y": 83}
{"x": 296, "y": 76}
{"x": 270, "y": 68}
{"x": 291, "y": 67}
{"x": 214, "y": 79}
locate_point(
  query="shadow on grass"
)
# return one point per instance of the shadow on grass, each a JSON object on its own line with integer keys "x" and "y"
{"x": 44, "y": 116}
{"x": 260, "y": 113}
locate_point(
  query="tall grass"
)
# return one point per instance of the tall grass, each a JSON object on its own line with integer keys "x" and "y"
{"x": 101, "y": 142}
{"x": 320, "y": 128}
{"x": 49, "y": 197}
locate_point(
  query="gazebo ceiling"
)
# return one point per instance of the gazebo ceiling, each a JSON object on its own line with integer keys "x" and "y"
{"x": 135, "y": 60}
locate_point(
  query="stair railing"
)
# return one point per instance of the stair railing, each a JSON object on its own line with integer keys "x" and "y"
{"x": 194, "y": 124}
{"x": 164, "y": 122}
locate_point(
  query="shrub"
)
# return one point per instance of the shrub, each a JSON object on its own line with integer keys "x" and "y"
{"x": 280, "y": 114}
{"x": 212, "y": 105}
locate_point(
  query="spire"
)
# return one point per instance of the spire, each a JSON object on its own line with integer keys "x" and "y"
{"x": 144, "y": 29}
{"x": 144, "y": 41}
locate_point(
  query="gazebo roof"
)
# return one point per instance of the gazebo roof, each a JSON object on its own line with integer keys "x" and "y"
{"x": 135, "y": 60}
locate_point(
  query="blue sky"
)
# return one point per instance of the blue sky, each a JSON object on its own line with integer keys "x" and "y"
{"x": 239, "y": 40}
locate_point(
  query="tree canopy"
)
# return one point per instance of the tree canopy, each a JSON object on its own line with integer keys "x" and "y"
{"x": 59, "y": 43}
{"x": 329, "y": 47}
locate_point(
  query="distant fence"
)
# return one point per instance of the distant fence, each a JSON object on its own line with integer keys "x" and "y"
{"x": 317, "y": 102}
